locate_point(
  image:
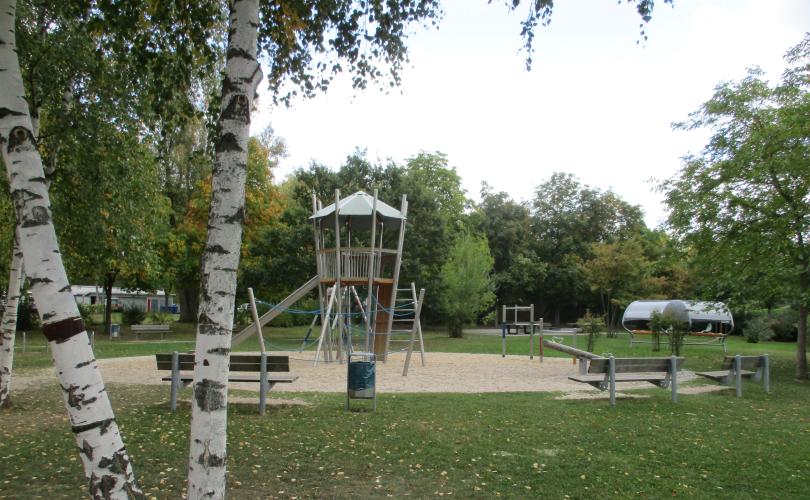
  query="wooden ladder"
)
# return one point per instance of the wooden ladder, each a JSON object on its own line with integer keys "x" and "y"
{"x": 408, "y": 329}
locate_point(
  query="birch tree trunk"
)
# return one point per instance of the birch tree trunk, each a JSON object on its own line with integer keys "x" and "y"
{"x": 220, "y": 260}
{"x": 9, "y": 325}
{"x": 105, "y": 459}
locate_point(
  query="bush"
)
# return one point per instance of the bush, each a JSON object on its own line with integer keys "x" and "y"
{"x": 669, "y": 325}
{"x": 160, "y": 318}
{"x": 27, "y": 317}
{"x": 785, "y": 325}
{"x": 133, "y": 315}
{"x": 86, "y": 312}
{"x": 591, "y": 325}
{"x": 759, "y": 329}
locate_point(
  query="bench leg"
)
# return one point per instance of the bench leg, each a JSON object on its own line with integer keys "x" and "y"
{"x": 766, "y": 373}
{"x": 738, "y": 374}
{"x": 175, "y": 380}
{"x": 263, "y": 385}
{"x": 612, "y": 374}
{"x": 673, "y": 369}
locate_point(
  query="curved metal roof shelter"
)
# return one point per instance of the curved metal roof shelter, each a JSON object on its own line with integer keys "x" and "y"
{"x": 699, "y": 315}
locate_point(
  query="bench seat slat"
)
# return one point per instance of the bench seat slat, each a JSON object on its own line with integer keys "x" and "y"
{"x": 621, "y": 377}
{"x": 634, "y": 365}
{"x": 746, "y": 362}
{"x": 722, "y": 374}
{"x": 270, "y": 378}
{"x": 150, "y": 328}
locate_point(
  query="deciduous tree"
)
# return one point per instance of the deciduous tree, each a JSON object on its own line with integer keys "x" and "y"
{"x": 743, "y": 202}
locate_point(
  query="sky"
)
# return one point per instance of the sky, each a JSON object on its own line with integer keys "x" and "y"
{"x": 596, "y": 103}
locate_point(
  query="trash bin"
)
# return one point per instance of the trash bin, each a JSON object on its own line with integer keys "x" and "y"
{"x": 115, "y": 331}
{"x": 360, "y": 383}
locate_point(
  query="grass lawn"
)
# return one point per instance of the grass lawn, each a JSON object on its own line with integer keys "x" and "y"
{"x": 509, "y": 445}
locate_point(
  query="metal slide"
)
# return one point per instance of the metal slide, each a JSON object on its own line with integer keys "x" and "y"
{"x": 278, "y": 309}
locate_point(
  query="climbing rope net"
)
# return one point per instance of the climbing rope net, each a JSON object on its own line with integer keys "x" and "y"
{"x": 354, "y": 323}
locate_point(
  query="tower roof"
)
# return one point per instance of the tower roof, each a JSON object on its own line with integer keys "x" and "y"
{"x": 356, "y": 210}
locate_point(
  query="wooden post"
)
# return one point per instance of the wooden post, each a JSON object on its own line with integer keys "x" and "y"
{"x": 612, "y": 375}
{"x": 256, "y": 319}
{"x": 318, "y": 257}
{"x": 673, "y": 369}
{"x": 263, "y": 383}
{"x": 766, "y": 373}
{"x": 397, "y": 264}
{"x": 738, "y": 374}
{"x": 531, "y": 332}
{"x": 371, "y": 268}
{"x": 583, "y": 365}
{"x": 504, "y": 329}
{"x": 414, "y": 329}
{"x": 338, "y": 268}
{"x": 175, "y": 380}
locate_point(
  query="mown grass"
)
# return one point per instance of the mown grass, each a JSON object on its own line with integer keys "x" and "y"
{"x": 509, "y": 445}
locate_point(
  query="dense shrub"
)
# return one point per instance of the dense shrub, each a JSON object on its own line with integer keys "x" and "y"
{"x": 785, "y": 324}
{"x": 133, "y": 315}
{"x": 759, "y": 329}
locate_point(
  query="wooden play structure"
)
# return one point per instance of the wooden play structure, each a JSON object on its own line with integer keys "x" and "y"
{"x": 518, "y": 317}
{"x": 358, "y": 253}
{"x": 709, "y": 323}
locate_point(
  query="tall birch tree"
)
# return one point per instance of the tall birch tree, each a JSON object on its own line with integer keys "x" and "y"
{"x": 220, "y": 260}
{"x": 101, "y": 448}
{"x": 9, "y": 324}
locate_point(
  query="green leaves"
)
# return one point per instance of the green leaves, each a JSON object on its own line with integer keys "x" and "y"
{"x": 466, "y": 286}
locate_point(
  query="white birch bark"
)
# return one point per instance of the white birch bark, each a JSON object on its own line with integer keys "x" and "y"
{"x": 105, "y": 459}
{"x": 9, "y": 324}
{"x": 220, "y": 260}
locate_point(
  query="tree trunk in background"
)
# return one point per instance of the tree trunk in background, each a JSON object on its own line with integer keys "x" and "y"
{"x": 801, "y": 344}
{"x": 9, "y": 326}
{"x": 105, "y": 459}
{"x": 220, "y": 259}
{"x": 189, "y": 298}
{"x": 108, "y": 285}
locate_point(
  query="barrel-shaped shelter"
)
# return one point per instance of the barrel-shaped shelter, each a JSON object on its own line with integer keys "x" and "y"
{"x": 354, "y": 249}
{"x": 711, "y": 320}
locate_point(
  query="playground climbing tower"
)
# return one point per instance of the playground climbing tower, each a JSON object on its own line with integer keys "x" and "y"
{"x": 358, "y": 246}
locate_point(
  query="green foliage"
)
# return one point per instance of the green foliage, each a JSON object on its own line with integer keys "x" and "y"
{"x": 759, "y": 329}
{"x": 133, "y": 315}
{"x": 466, "y": 284}
{"x": 160, "y": 318}
{"x": 672, "y": 328}
{"x": 86, "y": 311}
{"x": 568, "y": 218}
{"x": 592, "y": 326}
{"x": 27, "y": 317}
{"x": 743, "y": 203}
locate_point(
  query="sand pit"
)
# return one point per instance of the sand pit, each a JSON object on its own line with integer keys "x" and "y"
{"x": 444, "y": 372}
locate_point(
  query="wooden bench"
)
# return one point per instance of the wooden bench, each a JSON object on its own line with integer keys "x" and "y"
{"x": 139, "y": 329}
{"x": 604, "y": 373}
{"x": 735, "y": 368}
{"x": 259, "y": 368}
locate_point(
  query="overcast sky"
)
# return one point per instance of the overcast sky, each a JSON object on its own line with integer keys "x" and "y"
{"x": 595, "y": 104}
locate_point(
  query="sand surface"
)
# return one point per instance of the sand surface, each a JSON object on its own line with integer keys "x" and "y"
{"x": 443, "y": 372}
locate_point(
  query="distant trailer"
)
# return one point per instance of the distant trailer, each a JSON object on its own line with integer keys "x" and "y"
{"x": 709, "y": 323}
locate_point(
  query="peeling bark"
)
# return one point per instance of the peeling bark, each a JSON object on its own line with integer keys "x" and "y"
{"x": 207, "y": 455}
{"x": 101, "y": 449}
{"x": 9, "y": 325}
